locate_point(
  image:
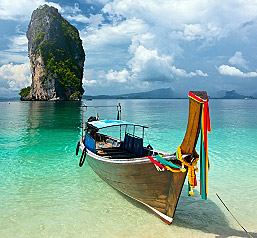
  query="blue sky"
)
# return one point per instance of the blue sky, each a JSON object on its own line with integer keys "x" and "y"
{"x": 135, "y": 45}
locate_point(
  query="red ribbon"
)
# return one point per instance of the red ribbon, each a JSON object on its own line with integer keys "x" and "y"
{"x": 206, "y": 126}
{"x": 206, "y": 116}
{"x": 155, "y": 162}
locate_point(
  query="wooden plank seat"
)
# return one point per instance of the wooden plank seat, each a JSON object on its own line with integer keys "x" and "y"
{"x": 120, "y": 156}
{"x": 109, "y": 148}
{"x": 111, "y": 152}
{"x": 114, "y": 153}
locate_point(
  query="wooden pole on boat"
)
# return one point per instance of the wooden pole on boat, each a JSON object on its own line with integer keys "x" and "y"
{"x": 119, "y": 113}
{"x": 82, "y": 123}
{"x": 120, "y": 110}
{"x": 194, "y": 124}
{"x": 187, "y": 147}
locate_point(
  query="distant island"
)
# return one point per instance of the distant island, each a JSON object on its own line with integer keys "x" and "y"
{"x": 162, "y": 93}
{"x": 56, "y": 57}
{"x": 232, "y": 95}
{"x": 166, "y": 93}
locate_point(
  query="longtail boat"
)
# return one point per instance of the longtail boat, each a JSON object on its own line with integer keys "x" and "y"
{"x": 152, "y": 177}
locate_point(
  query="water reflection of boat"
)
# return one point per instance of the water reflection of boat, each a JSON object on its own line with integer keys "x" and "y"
{"x": 151, "y": 177}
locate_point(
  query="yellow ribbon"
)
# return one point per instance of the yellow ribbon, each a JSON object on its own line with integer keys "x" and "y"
{"x": 191, "y": 168}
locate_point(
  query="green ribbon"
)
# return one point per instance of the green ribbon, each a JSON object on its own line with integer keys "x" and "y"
{"x": 167, "y": 163}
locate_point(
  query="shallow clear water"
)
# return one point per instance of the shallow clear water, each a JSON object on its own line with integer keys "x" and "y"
{"x": 44, "y": 193}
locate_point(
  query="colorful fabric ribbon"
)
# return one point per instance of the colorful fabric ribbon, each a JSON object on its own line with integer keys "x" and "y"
{"x": 205, "y": 126}
{"x": 162, "y": 163}
{"x": 192, "y": 168}
{"x": 155, "y": 162}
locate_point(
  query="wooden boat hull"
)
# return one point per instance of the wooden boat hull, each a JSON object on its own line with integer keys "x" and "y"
{"x": 140, "y": 180}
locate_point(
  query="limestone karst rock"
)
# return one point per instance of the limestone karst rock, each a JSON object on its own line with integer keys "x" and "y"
{"x": 56, "y": 56}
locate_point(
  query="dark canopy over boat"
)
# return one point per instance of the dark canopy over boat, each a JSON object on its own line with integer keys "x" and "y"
{"x": 152, "y": 177}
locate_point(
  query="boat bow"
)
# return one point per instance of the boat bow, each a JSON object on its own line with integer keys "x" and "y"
{"x": 138, "y": 177}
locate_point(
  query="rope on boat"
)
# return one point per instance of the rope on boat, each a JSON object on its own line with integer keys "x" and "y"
{"x": 192, "y": 168}
{"x": 77, "y": 149}
{"x": 83, "y": 157}
{"x": 230, "y": 212}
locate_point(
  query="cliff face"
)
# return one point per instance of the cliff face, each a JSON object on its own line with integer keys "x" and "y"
{"x": 56, "y": 57}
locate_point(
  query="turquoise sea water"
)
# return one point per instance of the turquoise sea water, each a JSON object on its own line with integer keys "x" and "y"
{"x": 44, "y": 193}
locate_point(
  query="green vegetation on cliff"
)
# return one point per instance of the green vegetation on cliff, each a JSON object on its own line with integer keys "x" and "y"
{"x": 24, "y": 92}
{"x": 55, "y": 49}
{"x": 61, "y": 63}
{"x": 59, "y": 59}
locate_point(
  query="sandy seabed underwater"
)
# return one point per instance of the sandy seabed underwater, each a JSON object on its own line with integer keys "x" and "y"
{"x": 44, "y": 193}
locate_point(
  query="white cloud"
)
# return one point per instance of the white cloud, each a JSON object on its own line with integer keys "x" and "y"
{"x": 183, "y": 73}
{"x": 109, "y": 35}
{"x": 145, "y": 63}
{"x": 155, "y": 43}
{"x": 15, "y": 76}
{"x": 16, "y": 51}
{"x": 78, "y": 18}
{"x": 90, "y": 76}
{"x": 70, "y": 10}
{"x": 75, "y": 14}
{"x": 19, "y": 43}
{"x": 205, "y": 32}
{"x": 192, "y": 20}
{"x": 187, "y": 12}
{"x": 233, "y": 71}
{"x": 148, "y": 64}
{"x": 7, "y": 57}
{"x": 176, "y": 21}
{"x": 132, "y": 42}
{"x": 93, "y": 21}
{"x": 89, "y": 82}
{"x": 143, "y": 56}
{"x": 20, "y": 10}
{"x": 97, "y": 1}
{"x": 238, "y": 60}
{"x": 105, "y": 78}
{"x": 201, "y": 73}
{"x": 118, "y": 76}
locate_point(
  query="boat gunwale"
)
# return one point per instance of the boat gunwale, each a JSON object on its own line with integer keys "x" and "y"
{"x": 115, "y": 161}
{"x": 135, "y": 160}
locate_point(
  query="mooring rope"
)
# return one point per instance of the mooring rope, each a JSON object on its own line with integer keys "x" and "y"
{"x": 230, "y": 212}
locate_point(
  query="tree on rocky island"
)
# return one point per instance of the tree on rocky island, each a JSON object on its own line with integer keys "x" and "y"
{"x": 56, "y": 56}
{"x": 25, "y": 93}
